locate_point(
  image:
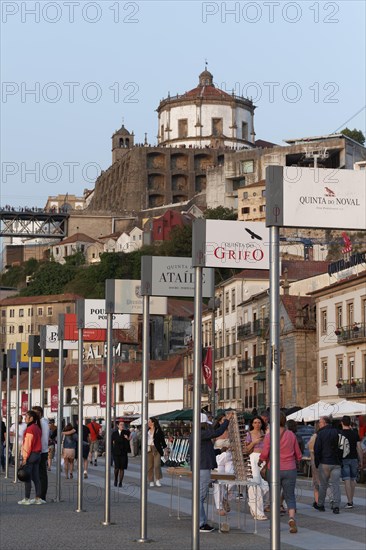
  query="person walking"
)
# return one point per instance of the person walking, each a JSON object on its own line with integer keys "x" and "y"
{"x": 156, "y": 448}
{"x": 328, "y": 461}
{"x": 350, "y": 463}
{"x": 120, "y": 449}
{"x": 95, "y": 436}
{"x": 134, "y": 442}
{"x": 290, "y": 455}
{"x": 207, "y": 462}
{"x": 314, "y": 469}
{"x": 31, "y": 457}
{"x": 254, "y": 447}
{"x": 43, "y": 477}
{"x": 51, "y": 442}
{"x": 69, "y": 444}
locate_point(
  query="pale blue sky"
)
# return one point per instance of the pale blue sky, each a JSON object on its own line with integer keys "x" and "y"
{"x": 322, "y": 52}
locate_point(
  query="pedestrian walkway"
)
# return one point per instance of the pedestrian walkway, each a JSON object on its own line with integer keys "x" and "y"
{"x": 56, "y": 525}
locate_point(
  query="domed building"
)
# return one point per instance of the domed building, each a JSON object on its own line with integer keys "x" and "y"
{"x": 206, "y": 117}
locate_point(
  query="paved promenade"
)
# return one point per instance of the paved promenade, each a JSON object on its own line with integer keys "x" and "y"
{"x": 56, "y": 525}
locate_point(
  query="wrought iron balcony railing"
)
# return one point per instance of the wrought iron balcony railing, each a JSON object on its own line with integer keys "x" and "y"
{"x": 351, "y": 334}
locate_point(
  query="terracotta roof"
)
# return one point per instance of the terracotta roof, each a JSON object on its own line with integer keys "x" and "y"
{"x": 77, "y": 237}
{"x": 114, "y": 235}
{"x": 30, "y": 300}
{"x": 264, "y": 144}
{"x": 207, "y": 92}
{"x": 302, "y": 269}
{"x": 260, "y": 183}
{"x": 126, "y": 372}
{"x": 180, "y": 308}
{"x": 292, "y": 303}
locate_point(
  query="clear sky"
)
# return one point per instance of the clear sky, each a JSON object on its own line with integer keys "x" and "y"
{"x": 72, "y": 71}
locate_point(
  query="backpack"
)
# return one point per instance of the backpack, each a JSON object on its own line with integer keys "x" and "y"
{"x": 343, "y": 446}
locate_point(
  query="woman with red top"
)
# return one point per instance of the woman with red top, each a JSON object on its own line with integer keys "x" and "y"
{"x": 31, "y": 456}
{"x": 290, "y": 454}
{"x": 254, "y": 446}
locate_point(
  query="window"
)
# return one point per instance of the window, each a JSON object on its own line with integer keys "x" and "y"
{"x": 245, "y": 195}
{"x": 245, "y": 210}
{"x": 324, "y": 371}
{"x": 351, "y": 368}
{"x": 339, "y": 316}
{"x": 11, "y": 329}
{"x": 45, "y": 397}
{"x": 40, "y": 311}
{"x": 263, "y": 192}
{"x": 30, "y": 312}
{"x": 21, "y": 329}
{"x": 227, "y": 303}
{"x": 238, "y": 184}
{"x": 339, "y": 368}
{"x": 21, "y": 313}
{"x": 3, "y": 313}
{"x": 121, "y": 392}
{"x": 94, "y": 394}
{"x": 49, "y": 310}
{"x": 183, "y": 127}
{"x": 323, "y": 320}
{"x": 162, "y": 131}
{"x": 233, "y": 304}
{"x": 244, "y": 130}
{"x": 350, "y": 319}
{"x": 68, "y": 396}
{"x": 217, "y": 128}
{"x": 247, "y": 166}
{"x": 12, "y": 313}
{"x": 151, "y": 391}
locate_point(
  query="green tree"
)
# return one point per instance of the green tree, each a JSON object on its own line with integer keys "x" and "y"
{"x": 220, "y": 213}
{"x": 51, "y": 279}
{"x": 354, "y": 134}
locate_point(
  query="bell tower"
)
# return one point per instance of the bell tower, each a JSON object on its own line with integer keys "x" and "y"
{"x": 122, "y": 139}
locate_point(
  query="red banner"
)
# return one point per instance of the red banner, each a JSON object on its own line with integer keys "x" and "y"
{"x": 207, "y": 368}
{"x": 24, "y": 403}
{"x": 3, "y": 406}
{"x": 89, "y": 334}
{"x": 103, "y": 389}
{"x": 54, "y": 398}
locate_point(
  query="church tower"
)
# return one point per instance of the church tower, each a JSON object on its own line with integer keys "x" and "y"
{"x": 122, "y": 139}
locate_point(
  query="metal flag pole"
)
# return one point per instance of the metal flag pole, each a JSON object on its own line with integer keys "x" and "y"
{"x": 16, "y": 415}
{"x": 144, "y": 416}
{"x": 60, "y": 405}
{"x": 29, "y": 383}
{"x": 275, "y": 389}
{"x": 108, "y": 431}
{"x": 42, "y": 345}
{"x": 197, "y": 366}
{"x": 80, "y": 311}
{"x": 8, "y": 403}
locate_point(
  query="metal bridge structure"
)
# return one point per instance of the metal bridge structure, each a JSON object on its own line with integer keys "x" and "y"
{"x": 35, "y": 223}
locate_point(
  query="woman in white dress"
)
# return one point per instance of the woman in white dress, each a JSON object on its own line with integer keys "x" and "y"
{"x": 254, "y": 446}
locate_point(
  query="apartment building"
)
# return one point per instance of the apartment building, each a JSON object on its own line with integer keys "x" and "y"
{"x": 341, "y": 338}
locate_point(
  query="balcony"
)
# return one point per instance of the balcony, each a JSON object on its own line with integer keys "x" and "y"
{"x": 353, "y": 334}
{"x": 244, "y": 330}
{"x": 354, "y": 388}
{"x": 227, "y": 394}
{"x": 256, "y": 328}
{"x": 259, "y": 363}
{"x": 245, "y": 365}
{"x": 227, "y": 351}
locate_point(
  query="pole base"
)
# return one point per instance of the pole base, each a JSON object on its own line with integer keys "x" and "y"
{"x": 107, "y": 523}
{"x": 79, "y": 510}
{"x": 143, "y": 540}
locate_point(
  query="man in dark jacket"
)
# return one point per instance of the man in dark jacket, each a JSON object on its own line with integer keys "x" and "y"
{"x": 207, "y": 462}
{"x": 328, "y": 461}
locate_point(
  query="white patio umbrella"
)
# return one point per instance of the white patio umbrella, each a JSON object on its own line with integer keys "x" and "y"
{"x": 323, "y": 408}
{"x": 136, "y": 422}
